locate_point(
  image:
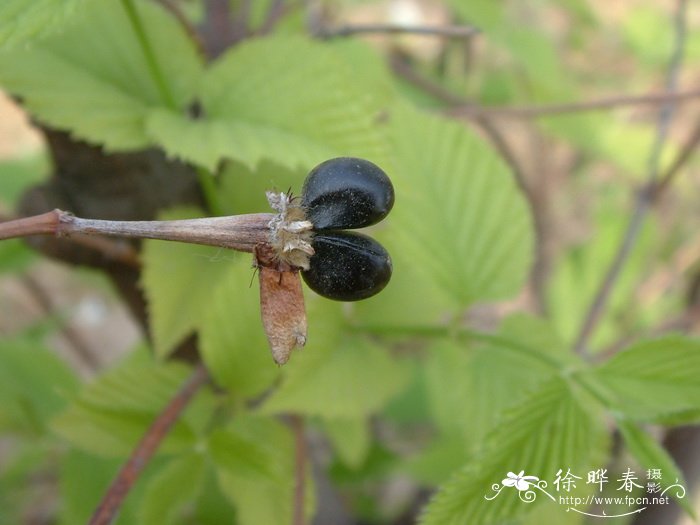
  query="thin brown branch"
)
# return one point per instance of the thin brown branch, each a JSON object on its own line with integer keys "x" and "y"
{"x": 238, "y": 232}
{"x": 130, "y": 472}
{"x": 678, "y": 163}
{"x": 300, "y": 460}
{"x": 391, "y": 29}
{"x": 550, "y": 110}
{"x": 118, "y": 251}
{"x": 645, "y": 196}
{"x": 274, "y": 13}
{"x": 45, "y": 302}
{"x": 184, "y": 22}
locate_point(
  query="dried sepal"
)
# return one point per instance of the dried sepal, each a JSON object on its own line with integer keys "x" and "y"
{"x": 290, "y": 231}
{"x": 281, "y": 304}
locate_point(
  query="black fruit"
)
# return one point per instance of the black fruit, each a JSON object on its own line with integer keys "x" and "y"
{"x": 346, "y": 193}
{"x": 347, "y": 266}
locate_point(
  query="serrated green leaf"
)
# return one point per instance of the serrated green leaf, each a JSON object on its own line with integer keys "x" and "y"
{"x": 179, "y": 281}
{"x": 436, "y": 462}
{"x": 459, "y": 217}
{"x": 651, "y": 455}
{"x": 94, "y": 79}
{"x": 111, "y": 414}
{"x": 350, "y": 438}
{"x": 34, "y": 385}
{"x": 171, "y": 493}
{"x": 654, "y": 379}
{"x": 283, "y": 98}
{"x": 254, "y": 458}
{"x": 470, "y": 385}
{"x": 22, "y": 21}
{"x": 233, "y": 342}
{"x": 548, "y": 429}
{"x": 337, "y": 375}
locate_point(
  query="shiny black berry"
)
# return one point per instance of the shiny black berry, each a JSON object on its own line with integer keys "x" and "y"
{"x": 346, "y": 193}
{"x": 347, "y": 266}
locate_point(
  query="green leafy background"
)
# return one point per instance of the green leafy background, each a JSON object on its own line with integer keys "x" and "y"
{"x": 461, "y": 236}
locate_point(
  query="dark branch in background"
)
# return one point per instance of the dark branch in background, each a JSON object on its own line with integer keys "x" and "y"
{"x": 276, "y": 11}
{"x": 300, "y": 460}
{"x": 217, "y": 28}
{"x": 681, "y": 159}
{"x": 129, "y": 473}
{"x": 645, "y": 195}
{"x": 240, "y": 25}
{"x": 177, "y": 13}
{"x": 365, "y": 29}
{"x": 549, "y": 110}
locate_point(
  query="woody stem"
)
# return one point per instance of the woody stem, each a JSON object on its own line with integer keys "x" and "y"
{"x": 237, "y": 232}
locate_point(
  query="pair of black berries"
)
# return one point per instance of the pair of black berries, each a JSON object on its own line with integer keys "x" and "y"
{"x": 345, "y": 194}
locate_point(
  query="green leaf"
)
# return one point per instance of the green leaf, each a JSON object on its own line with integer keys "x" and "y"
{"x": 233, "y": 343}
{"x": 94, "y": 80}
{"x": 283, "y": 98}
{"x": 254, "y": 458}
{"x": 111, "y": 414}
{"x": 338, "y": 374}
{"x": 651, "y": 455}
{"x": 435, "y": 463}
{"x": 21, "y": 22}
{"x": 548, "y": 429}
{"x": 34, "y": 385}
{"x": 179, "y": 280}
{"x": 469, "y": 385}
{"x": 653, "y": 380}
{"x": 171, "y": 493}
{"x": 459, "y": 222}
{"x": 350, "y": 438}
{"x": 83, "y": 480}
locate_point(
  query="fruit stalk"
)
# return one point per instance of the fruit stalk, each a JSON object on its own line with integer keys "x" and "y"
{"x": 237, "y": 232}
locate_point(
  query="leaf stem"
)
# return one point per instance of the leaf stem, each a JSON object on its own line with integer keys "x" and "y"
{"x": 149, "y": 54}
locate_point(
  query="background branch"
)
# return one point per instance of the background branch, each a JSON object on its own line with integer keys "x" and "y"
{"x": 653, "y": 99}
{"x": 645, "y": 195}
{"x": 130, "y": 472}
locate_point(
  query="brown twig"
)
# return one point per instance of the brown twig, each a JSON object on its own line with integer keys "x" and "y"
{"x": 184, "y": 22}
{"x": 217, "y": 28}
{"x": 681, "y": 159}
{"x": 129, "y": 473}
{"x": 391, "y": 29}
{"x": 644, "y": 197}
{"x": 300, "y": 459}
{"x": 238, "y": 232}
{"x": 275, "y": 12}
{"x": 550, "y": 110}
{"x": 118, "y": 251}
